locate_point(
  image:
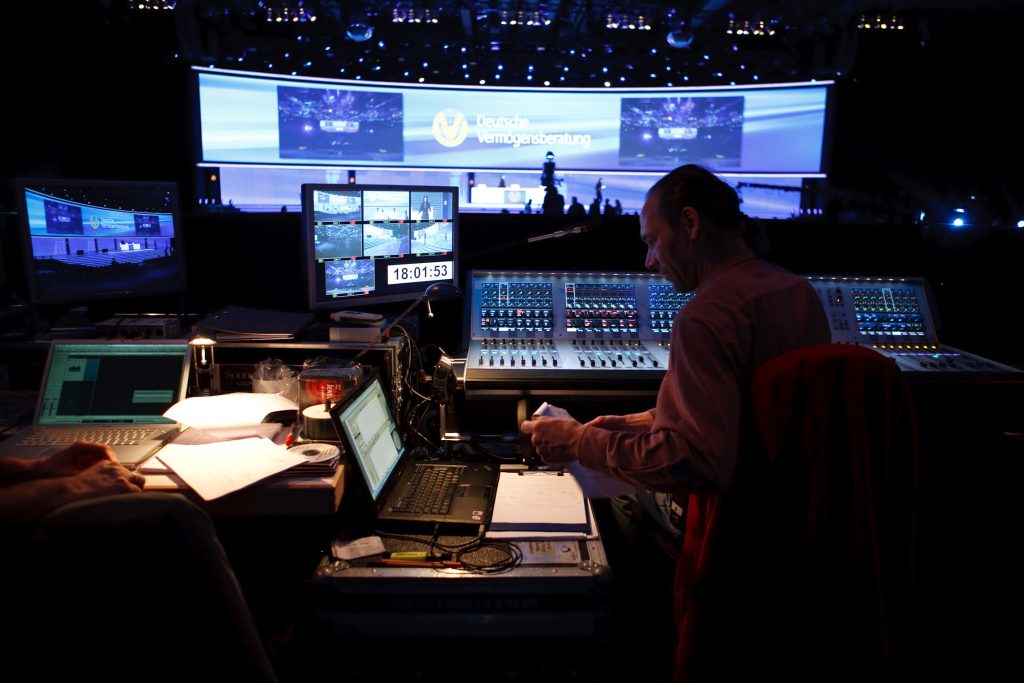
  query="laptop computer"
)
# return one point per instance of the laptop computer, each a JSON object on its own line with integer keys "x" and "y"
{"x": 397, "y": 486}
{"x": 107, "y": 392}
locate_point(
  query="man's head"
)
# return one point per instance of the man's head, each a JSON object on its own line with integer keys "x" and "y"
{"x": 690, "y": 220}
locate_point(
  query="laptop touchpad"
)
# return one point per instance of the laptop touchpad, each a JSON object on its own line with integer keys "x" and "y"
{"x": 473, "y": 491}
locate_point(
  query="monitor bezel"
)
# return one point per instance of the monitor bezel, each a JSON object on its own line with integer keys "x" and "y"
{"x": 177, "y": 286}
{"x": 308, "y": 247}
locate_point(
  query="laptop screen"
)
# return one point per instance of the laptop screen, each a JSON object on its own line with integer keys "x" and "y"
{"x": 372, "y": 435}
{"x": 112, "y": 383}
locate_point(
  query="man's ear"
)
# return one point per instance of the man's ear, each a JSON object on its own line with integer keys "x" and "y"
{"x": 691, "y": 222}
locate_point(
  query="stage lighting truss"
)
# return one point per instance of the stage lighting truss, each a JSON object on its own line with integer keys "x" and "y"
{"x": 879, "y": 22}
{"x": 413, "y": 15}
{"x": 627, "y": 21}
{"x": 527, "y": 18}
{"x": 152, "y": 4}
{"x": 751, "y": 27}
{"x": 286, "y": 11}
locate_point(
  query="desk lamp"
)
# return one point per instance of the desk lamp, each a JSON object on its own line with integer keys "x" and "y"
{"x": 202, "y": 360}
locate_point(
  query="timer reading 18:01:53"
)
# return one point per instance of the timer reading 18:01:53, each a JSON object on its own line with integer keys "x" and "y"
{"x": 420, "y": 272}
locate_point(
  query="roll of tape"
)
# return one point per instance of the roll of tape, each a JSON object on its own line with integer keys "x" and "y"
{"x": 315, "y": 451}
{"x": 316, "y": 424}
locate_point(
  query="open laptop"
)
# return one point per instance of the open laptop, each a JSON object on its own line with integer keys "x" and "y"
{"x": 393, "y": 481}
{"x": 107, "y": 392}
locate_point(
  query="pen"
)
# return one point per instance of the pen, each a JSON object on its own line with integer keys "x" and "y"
{"x": 290, "y": 439}
{"x": 416, "y": 563}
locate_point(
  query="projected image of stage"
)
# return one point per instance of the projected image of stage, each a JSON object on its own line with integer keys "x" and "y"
{"x": 80, "y": 265}
{"x": 354, "y": 276}
{"x": 338, "y": 241}
{"x": 664, "y": 132}
{"x": 431, "y": 238}
{"x": 104, "y": 239}
{"x": 385, "y": 205}
{"x": 429, "y": 206}
{"x": 385, "y": 239}
{"x": 316, "y": 123}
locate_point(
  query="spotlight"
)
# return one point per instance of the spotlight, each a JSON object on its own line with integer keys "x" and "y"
{"x": 679, "y": 38}
{"x": 359, "y": 32}
{"x": 1020, "y": 224}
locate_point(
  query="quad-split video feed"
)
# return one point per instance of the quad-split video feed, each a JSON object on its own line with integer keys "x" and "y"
{"x": 348, "y": 277}
{"x": 335, "y": 232}
{"x": 330, "y": 123}
{"x": 664, "y": 132}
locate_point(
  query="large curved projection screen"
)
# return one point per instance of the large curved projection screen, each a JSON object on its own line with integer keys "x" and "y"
{"x": 272, "y": 120}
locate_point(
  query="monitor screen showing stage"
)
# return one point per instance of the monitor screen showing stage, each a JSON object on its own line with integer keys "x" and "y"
{"x": 377, "y": 243}
{"x": 90, "y": 240}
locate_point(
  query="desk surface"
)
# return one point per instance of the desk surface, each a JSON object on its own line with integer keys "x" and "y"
{"x": 292, "y": 496}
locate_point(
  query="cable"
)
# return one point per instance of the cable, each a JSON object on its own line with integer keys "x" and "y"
{"x": 458, "y": 551}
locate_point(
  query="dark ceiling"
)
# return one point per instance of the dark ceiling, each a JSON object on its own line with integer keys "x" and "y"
{"x": 564, "y": 42}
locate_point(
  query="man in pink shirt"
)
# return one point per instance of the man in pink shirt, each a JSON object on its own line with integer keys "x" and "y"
{"x": 745, "y": 311}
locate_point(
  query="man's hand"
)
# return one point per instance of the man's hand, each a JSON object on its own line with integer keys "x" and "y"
{"x": 635, "y": 422}
{"x": 106, "y": 478}
{"x": 556, "y": 440}
{"x": 76, "y": 458}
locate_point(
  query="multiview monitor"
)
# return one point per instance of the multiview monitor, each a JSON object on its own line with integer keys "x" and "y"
{"x": 93, "y": 240}
{"x": 377, "y": 243}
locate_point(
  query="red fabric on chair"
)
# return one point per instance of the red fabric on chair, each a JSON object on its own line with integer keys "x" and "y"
{"x": 804, "y": 567}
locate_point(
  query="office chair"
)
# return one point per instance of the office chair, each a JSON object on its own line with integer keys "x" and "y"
{"x": 804, "y": 568}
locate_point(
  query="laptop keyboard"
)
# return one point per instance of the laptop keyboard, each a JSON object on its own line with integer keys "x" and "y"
{"x": 431, "y": 489}
{"x": 110, "y": 437}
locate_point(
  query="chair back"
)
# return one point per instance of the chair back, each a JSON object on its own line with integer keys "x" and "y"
{"x": 804, "y": 568}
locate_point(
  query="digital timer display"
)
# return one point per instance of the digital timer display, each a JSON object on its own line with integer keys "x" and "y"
{"x": 419, "y": 272}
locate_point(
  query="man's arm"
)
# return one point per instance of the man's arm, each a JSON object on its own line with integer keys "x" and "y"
{"x": 26, "y": 501}
{"x": 691, "y": 443}
{"x": 65, "y": 462}
{"x": 634, "y": 422}
{"x": 17, "y": 469}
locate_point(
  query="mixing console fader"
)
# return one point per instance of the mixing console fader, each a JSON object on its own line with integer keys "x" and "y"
{"x": 574, "y": 331}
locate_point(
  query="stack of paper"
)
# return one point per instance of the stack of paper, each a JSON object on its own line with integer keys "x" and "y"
{"x": 216, "y": 469}
{"x": 534, "y": 503}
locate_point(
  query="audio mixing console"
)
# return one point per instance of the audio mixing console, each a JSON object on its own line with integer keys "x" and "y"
{"x": 563, "y": 330}
{"x": 608, "y": 333}
{"x": 893, "y": 316}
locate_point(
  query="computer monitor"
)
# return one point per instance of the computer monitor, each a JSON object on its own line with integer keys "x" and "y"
{"x": 93, "y": 240}
{"x": 377, "y": 243}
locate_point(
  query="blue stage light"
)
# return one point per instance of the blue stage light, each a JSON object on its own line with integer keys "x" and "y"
{"x": 359, "y": 32}
{"x": 958, "y": 222}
